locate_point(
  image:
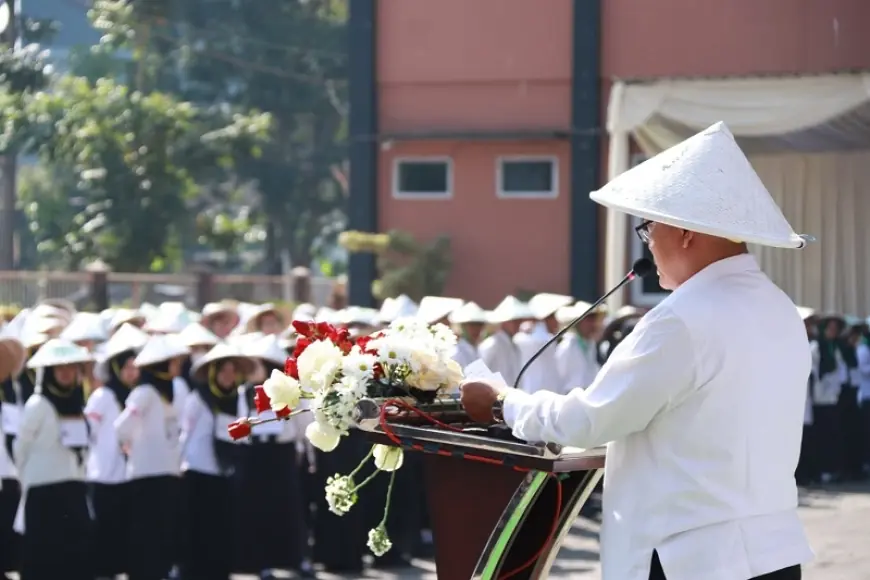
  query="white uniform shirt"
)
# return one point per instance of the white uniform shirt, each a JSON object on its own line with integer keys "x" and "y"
{"x": 465, "y": 353}
{"x": 149, "y": 428}
{"x": 10, "y": 412}
{"x": 577, "y": 361}
{"x": 863, "y": 353}
{"x": 828, "y": 387}
{"x": 543, "y": 373}
{"x": 703, "y": 407}
{"x": 199, "y": 428}
{"x": 43, "y": 451}
{"x": 501, "y": 355}
{"x": 106, "y": 461}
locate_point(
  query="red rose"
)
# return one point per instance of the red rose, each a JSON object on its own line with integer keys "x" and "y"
{"x": 285, "y": 412}
{"x": 261, "y": 399}
{"x": 290, "y": 368}
{"x": 239, "y": 429}
{"x": 303, "y": 328}
{"x": 324, "y": 328}
{"x": 301, "y": 344}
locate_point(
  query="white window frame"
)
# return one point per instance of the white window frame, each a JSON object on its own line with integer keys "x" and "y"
{"x": 637, "y": 295}
{"x": 406, "y": 195}
{"x": 499, "y": 177}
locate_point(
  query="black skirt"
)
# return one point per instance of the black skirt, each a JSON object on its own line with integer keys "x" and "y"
{"x": 10, "y": 541}
{"x": 349, "y": 530}
{"x": 209, "y": 530}
{"x": 111, "y": 505}
{"x": 154, "y": 533}
{"x": 270, "y": 508}
{"x": 57, "y": 535}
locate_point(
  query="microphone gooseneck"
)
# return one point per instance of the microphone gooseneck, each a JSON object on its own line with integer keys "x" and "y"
{"x": 640, "y": 269}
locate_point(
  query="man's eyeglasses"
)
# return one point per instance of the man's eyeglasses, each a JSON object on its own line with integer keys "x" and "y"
{"x": 643, "y": 231}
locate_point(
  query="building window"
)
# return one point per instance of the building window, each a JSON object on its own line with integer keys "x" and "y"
{"x": 426, "y": 178}
{"x": 527, "y": 177}
{"x": 647, "y": 292}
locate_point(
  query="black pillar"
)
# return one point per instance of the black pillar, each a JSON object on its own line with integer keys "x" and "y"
{"x": 586, "y": 254}
{"x": 362, "y": 210}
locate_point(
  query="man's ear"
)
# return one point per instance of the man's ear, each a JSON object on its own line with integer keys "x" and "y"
{"x": 687, "y": 238}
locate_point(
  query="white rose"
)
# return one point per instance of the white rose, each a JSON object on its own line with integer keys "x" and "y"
{"x": 388, "y": 458}
{"x": 320, "y": 356}
{"x": 283, "y": 391}
{"x": 322, "y": 436}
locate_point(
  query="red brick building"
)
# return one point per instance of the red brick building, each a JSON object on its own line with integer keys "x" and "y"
{"x": 488, "y": 121}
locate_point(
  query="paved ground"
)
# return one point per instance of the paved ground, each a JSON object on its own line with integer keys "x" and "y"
{"x": 837, "y": 521}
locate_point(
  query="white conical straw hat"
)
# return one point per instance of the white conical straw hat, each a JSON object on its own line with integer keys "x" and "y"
{"x": 268, "y": 348}
{"x": 221, "y": 351}
{"x": 470, "y": 312}
{"x": 704, "y": 184}
{"x": 546, "y": 304}
{"x": 160, "y": 348}
{"x": 398, "y": 307}
{"x": 85, "y": 326}
{"x": 434, "y": 308}
{"x": 57, "y": 352}
{"x": 128, "y": 337}
{"x": 511, "y": 308}
{"x": 195, "y": 334}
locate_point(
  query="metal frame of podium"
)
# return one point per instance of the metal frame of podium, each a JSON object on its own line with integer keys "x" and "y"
{"x": 513, "y": 518}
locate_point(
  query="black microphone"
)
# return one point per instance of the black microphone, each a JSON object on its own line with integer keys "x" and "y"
{"x": 640, "y": 269}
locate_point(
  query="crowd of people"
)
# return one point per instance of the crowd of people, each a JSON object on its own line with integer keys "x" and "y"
{"x": 117, "y": 458}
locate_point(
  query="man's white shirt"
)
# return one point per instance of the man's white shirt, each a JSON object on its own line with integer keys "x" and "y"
{"x": 702, "y": 406}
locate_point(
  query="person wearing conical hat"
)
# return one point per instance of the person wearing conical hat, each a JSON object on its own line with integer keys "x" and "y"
{"x": 395, "y": 308}
{"x": 209, "y": 460}
{"x": 576, "y": 355}
{"x": 266, "y": 319}
{"x": 148, "y": 428}
{"x": 615, "y": 329}
{"x": 220, "y": 317}
{"x": 86, "y": 329}
{"x": 127, "y": 316}
{"x": 807, "y": 471}
{"x": 199, "y": 340}
{"x": 470, "y": 320}
{"x": 272, "y": 469}
{"x": 12, "y": 356}
{"x": 436, "y": 309}
{"x": 849, "y": 411}
{"x": 702, "y": 405}
{"x": 863, "y": 356}
{"x": 18, "y": 389}
{"x": 543, "y": 373}
{"x": 107, "y": 465}
{"x": 833, "y": 374}
{"x": 50, "y": 453}
{"x": 498, "y": 350}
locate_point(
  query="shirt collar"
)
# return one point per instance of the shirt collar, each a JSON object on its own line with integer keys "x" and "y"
{"x": 720, "y": 269}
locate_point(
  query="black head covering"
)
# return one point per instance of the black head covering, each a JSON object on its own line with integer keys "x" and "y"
{"x": 114, "y": 383}
{"x": 157, "y": 375}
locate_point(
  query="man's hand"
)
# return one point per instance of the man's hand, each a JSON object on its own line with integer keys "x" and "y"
{"x": 478, "y": 397}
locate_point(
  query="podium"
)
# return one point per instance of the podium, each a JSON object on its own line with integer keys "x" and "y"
{"x": 500, "y": 507}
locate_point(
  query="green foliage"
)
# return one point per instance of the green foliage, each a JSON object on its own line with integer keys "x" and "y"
{"x": 406, "y": 265}
{"x": 138, "y": 161}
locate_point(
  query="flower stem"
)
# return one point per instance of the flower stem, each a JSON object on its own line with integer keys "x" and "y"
{"x": 389, "y": 495}
{"x": 362, "y": 463}
{"x": 367, "y": 481}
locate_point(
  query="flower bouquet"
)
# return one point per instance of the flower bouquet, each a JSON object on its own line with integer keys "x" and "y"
{"x": 330, "y": 371}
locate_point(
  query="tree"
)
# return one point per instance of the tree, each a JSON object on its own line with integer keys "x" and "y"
{"x": 406, "y": 266}
{"x": 286, "y": 57}
{"x": 139, "y": 161}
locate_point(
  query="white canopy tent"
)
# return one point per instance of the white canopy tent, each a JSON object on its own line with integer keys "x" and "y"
{"x": 809, "y": 140}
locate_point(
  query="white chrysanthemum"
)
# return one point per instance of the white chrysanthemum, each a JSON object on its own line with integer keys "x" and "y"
{"x": 283, "y": 391}
{"x": 379, "y": 542}
{"x": 388, "y": 458}
{"x": 358, "y": 365}
{"x": 319, "y": 364}
{"x": 340, "y": 494}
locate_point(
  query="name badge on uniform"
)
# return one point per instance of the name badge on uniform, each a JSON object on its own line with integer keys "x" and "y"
{"x": 10, "y": 418}
{"x": 73, "y": 433}
{"x": 222, "y": 427}
{"x": 270, "y": 428}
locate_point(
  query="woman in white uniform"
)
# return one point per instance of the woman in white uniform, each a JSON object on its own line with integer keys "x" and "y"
{"x": 271, "y": 471}
{"x": 11, "y": 360}
{"x": 149, "y": 429}
{"x": 50, "y": 455}
{"x": 209, "y": 459}
{"x": 107, "y": 464}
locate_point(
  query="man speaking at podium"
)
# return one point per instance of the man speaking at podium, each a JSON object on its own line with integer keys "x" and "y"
{"x": 703, "y": 403}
